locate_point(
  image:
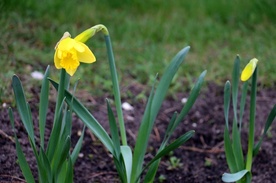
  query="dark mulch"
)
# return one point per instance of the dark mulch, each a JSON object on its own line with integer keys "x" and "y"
{"x": 202, "y": 157}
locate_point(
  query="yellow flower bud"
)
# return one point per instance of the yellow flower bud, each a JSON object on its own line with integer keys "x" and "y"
{"x": 249, "y": 69}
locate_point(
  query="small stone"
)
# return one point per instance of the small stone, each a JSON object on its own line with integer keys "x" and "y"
{"x": 79, "y": 132}
{"x": 4, "y": 105}
{"x": 37, "y": 75}
{"x": 184, "y": 100}
{"x": 81, "y": 155}
{"x": 126, "y": 106}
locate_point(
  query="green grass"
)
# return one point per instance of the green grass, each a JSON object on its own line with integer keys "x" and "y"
{"x": 145, "y": 35}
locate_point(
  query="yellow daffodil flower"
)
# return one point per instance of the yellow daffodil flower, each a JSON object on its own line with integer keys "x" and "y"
{"x": 249, "y": 69}
{"x": 70, "y": 52}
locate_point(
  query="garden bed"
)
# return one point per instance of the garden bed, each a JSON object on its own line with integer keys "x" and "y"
{"x": 201, "y": 159}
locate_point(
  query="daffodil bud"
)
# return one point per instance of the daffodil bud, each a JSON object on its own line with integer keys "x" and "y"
{"x": 249, "y": 69}
{"x": 85, "y": 35}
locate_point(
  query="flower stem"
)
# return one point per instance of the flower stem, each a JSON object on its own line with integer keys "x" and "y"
{"x": 60, "y": 95}
{"x": 116, "y": 89}
{"x": 252, "y": 121}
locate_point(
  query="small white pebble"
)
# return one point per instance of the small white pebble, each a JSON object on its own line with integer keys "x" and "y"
{"x": 194, "y": 125}
{"x": 184, "y": 100}
{"x": 79, "y": 133}
{"x": 126, "y": 106}
{"x": 81, "y": 155}
{"x": 130, "y": 118}
{"x": 37, "y": 75}
{"x": 4, "y": 105}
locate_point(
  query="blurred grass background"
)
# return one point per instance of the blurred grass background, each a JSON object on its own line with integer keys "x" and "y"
{"x": 145, "y": 36}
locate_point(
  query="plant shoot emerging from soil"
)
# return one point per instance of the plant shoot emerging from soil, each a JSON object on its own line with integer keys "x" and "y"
{"x": 239, "y": 166}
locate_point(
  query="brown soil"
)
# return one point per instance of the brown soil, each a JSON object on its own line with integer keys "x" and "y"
{"x": 202, "y": 157}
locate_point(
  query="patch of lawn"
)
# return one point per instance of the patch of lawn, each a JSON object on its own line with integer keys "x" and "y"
{"x": 145, "y": 35}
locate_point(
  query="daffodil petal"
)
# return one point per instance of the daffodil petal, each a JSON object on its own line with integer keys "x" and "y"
{"x": 66, "y": 44}
{"x": 71, "y": 72}
{"x": 87, "y": 56}
{"x": 249, "y": 69}
{"x": 57, "y": 60}
{"x": 79, "y": 46}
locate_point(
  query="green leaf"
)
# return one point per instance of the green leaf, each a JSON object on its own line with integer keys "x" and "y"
{"x": 26, "y": 171}
{"x": 191, "y": 100}
{"x": 142, "y": 140}
{"x": 268, "y": 123}
{"x": 45, "y": 164}
{"x": 227, "y": 177}
{"x": 235, "y": 81}
{"x": 174, "y": 145}
{"x": 113, "y": 130}
{"x": 237, "y": 147}
{"x": 41, "y": 169}
{"x": 154, "y": 163}
{"x": 54, "y": 136}
{"x": 43, "y": 106}
{"x": 88, "y": 119}
{"x": 152, "y": 110}
{"x": 64, "y": 153}
{"x": 127, "y": 157}
{"x": 165, "y": 82}
{"x": 69, "y": 175}
{"x": 22, "y": 106}
{"x": 77, "y": 148}
{"x": 227, "y": 97}
{"x": 169, "y": 130}
{"x": 242, "y": 104}
{"x": 230, "y": 158}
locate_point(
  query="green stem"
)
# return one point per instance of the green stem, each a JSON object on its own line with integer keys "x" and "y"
{"x": 252, "y": 121}
{"x": 60, "y": 96}
{"x": 116, "y": 89}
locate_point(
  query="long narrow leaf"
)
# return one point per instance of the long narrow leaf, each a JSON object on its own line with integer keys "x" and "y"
{"x": 26, "y": 171}
{"x": 235, "y": 83}
{"x": 151, "y": 113}
{"x": 64, "y": 153}
{"x": 230, "y": 158}
{"x": 88, "y": 119}
{"x": 69, "y": 174}
{"x": 165, "y": 82}
{"x": 227, "y": 177}
{"x": 237, "y": 147}
{"x": 127, "y": 157}
{"x": 77, "y": 148}
{"x": 142, "y": 140}
{"x": 22, "y": 106}
{"x": 46, "y": 164}
{"x": 113, "y": 130}
{"x": 268, "y": 123}
{"x": 54, "y": 136}
{"x": 191, "y": 100}
{"x": 43, "y": 105}
{"x": 227, "y": 97}
{"x": 174, "y": 145}
{"x": 242, "y": 104}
